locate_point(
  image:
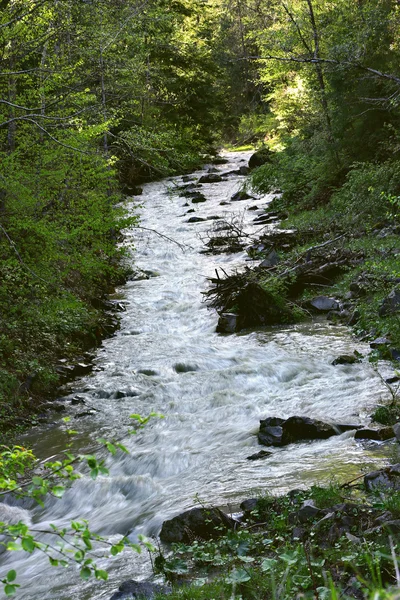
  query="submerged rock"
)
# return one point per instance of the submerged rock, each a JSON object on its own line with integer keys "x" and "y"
{"x": 210, "y": 178}
{"x": 346, "y": 359}
{"x": 205, "y": 523}
{"x": 133, "y": 590}
{"x": 260, "y": 455}
{"x": 195, "y": 220}
{"x": 198, "y": 197}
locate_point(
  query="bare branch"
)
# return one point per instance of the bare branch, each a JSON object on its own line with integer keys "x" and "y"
{"x": 165, "y": 237}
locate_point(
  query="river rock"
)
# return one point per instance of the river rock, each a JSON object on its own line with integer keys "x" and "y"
{"x": 244, "y": 170}
{"x": 388, "y": 478}
{"x": 205, "y": 523}
{"x": 241, "y": 195}
{"x": 271, "y": 431}
{"x": 396, "y": 430}
{"x": 198, "y": 197}
{"x": 270, "y": 261}
{"x": 307, "y": 512}
{"x": 133, "y": 590}
{"x": 346, "y": 359}
{"x": 260, "y": 455}
{"x": 279, "y": 432}
{"x": 227, "y": 323}
{"x": 324, "y": 303}
{"x": 133, "y": 190}
{"x": 195, "y": 220}
{"x": 379, "y": 435}
{"x": 391, "y": 304}
{"x": 219, "y": 160}
{"x": 210, "y": 178}
{"x": 259, "y": 158}
{"x": 380, "y": 343}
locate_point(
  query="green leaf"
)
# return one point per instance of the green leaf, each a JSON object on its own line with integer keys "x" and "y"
{"x": 85, "y": 573}
{"x": 94, "y": 473}
{"x": 28, "y": 544}
{"x": 122, "y": 447}
{"x": 53, "y": 562}
{"x": 268, "y": 564}
{"x": 58, "y": 491}
{"x": 101, "y": 574}
{"x": 10, "y": 589}
{"x": 11, "y": 575}
{"x": 13, "y": 547}
{"x": 238, "y": 576}
{"x": 37, "y": 480}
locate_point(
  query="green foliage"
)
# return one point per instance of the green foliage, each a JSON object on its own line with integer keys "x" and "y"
{"x": 370, "y": 193}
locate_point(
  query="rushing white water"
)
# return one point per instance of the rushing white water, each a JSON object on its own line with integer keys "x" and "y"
{"x": 212, "y": 390}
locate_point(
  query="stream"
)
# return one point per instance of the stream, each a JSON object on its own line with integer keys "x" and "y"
{"x": 211, "y": 389}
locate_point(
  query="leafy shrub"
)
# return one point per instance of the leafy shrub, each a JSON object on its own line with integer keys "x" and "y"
{"x": 370, "y": 191}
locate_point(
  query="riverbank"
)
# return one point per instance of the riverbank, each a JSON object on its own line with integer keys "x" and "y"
{"x": 338, "y": 541}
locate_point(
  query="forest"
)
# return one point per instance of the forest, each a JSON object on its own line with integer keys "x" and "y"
{"x": 98, "y": 97}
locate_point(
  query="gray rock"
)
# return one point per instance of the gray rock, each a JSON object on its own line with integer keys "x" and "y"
{"x": 195, "y": 220}
{"x": 388, "y": 478}
{"x": 227, "y": 323}
{"x": 380, "y": 342}
{"x": 271, "y": 261}
{"x": 396, "y": 431}
{"x": 270, "y": 433}
{"x": 205, "y": 523}
{"x": 391, "y": 304}
{"x": 249, "y": 505}
{"x": 324, "y": 304}
{"x": 143, "y": 590}
{"x": 307, "y": 512}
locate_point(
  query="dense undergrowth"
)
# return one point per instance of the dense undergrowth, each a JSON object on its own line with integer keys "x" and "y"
{"x": 321, "y": 543}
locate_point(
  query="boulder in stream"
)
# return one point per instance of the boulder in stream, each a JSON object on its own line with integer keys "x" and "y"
{"x": 378, "y": 435}
{"x": 241, "y": 195}
{"x": 346, "y": 359}
{"x": 280, "y": 432}
{"x": 227, "y": 323}
{"x": 210, "y": 178}
{"x": 259, "y": 158}
{"x": 204, "y": 523}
